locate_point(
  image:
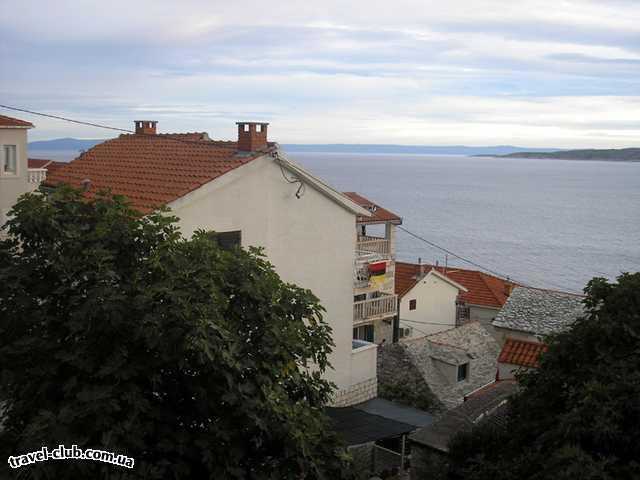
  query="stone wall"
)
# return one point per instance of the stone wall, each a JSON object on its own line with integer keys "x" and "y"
{"x": 399, "y": 379}
{"x": 358, "y": 393}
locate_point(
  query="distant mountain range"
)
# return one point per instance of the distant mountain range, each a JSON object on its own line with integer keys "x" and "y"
{"x": 611, "y": 154}
{"x": 76, "y": 145}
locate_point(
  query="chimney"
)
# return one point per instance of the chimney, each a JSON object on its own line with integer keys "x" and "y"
{"x": 145, "y": 127}
{"x": 421, "y": 268}
{"x": 252, "y": 136}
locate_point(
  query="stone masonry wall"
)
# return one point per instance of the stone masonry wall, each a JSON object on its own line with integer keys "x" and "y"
{"x": 358, "y": 393}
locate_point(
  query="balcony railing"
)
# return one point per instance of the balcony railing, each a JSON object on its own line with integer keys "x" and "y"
{"x": 36, "y": 175}
{"x": 373, "y": 246}
{"x": 375, "y": 308}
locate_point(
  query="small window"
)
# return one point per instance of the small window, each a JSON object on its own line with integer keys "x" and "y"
{"x": 463, "y": 372}
{"x": 10, "y": 164}
{"x": 228, "y": 240}
{"x": 412, "y": 304}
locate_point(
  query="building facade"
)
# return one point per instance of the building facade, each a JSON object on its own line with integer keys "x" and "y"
{"x": 251, "y": 192}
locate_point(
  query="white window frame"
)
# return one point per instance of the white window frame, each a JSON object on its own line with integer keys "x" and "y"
{"x": 15, "y": 171}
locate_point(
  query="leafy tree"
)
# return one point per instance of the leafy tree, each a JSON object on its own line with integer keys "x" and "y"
{"x": 578, "y": 415}
{"x": 119, "y": 334}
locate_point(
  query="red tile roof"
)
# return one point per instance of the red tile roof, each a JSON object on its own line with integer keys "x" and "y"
{"x": 13, "y": 122}
{"x": 483, "y": 289}
{"x": 378, "y": 214}
{"x": 151, "y": 170}
{"x": 38, "y": 162}
{"x": 521, "y": 352}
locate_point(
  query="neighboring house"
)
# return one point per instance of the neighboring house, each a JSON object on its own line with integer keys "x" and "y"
{"x": 518, "y": 356}
{"x": 529, "y": 315}
{"x": 14, "y": 170}
{"x": 430, "y": 445}
{"x": 428, "y": 300}
{"x": 18, "y": 174}
{"x": 450, "y": 297}
{"x": 532, "y": 313}
{"x": 375, "y": 301}
{"x": 249, "y": 192}
{"x": 456, "y": 361}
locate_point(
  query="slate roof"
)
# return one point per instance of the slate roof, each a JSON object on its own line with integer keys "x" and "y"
{"x": 470, "y": 343}
{"x": 539, "y": 312}
{"x": 10, "y": 122}
{"x": 152, "y": 170}
{"x": 483, "y": 289}
{"x": 378, "y": 214}
{"x": 486, "y": 405}
{"x": 521, "y": 352}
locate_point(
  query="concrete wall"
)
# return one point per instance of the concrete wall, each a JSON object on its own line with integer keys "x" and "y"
{"x": 310, "y": 241}
{"x": 12, "y": 186}
{"x": 435, "y": 302}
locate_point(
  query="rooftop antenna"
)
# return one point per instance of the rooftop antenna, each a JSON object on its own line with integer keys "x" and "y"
{"x": 446, "y": 262}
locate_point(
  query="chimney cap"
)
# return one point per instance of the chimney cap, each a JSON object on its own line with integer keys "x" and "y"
{"x": 252, "y": 123}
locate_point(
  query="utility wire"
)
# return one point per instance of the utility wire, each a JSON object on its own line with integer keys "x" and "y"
{"x": 298, "y": 193}
{"x": 66, "y": 119}
{"x": 117, "y": 129}
{"x": 475, "y": 264}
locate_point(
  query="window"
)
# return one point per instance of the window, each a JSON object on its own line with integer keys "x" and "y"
{"x": 228, "y": 240}
{"x": 364, "y": 332}
{"x": 10, "y": 164}
{"x": 463, "y": 371}
{"x": 412, "y": 304}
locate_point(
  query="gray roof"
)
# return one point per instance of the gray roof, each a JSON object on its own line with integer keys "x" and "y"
{"x": 396, "y": 411}
{"x": 470, "y": 343}
{"x": 487, "y": 405}
{"x": 539, "y": 312}
{"x": 376, "y": 419}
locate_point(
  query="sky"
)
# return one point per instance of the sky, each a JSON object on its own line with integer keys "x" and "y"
{"x": 562, "y": 74}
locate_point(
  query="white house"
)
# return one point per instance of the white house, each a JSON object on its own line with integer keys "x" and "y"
{"x": 252, "y": 194}
{"x": 450, "y": 297}
{"x": 428, "y": 300}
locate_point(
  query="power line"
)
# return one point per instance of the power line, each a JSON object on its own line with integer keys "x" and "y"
{"x": 80, "y": 122}
{"x": 475, "y": 264}
{"x": 117, "y": 129}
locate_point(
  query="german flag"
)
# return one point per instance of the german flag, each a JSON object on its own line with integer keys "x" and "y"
{"x": 377, "y": 272}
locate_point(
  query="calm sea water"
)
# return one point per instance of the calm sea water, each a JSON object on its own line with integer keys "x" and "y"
{"x": 550, "y": 223}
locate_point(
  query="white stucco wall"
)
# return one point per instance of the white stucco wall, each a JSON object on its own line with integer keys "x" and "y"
{"x": 12, "y": 186}
{"x": 310, "y": 241}
{"x": 435, "y": 302}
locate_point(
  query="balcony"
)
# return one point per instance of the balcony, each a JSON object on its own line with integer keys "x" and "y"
{"x": 373, "y": 248}
{"x": 36, "y": 175}
{"x": 375, "y": 308}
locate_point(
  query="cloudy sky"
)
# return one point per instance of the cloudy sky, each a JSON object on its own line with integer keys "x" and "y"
{"x": 478, "y": 72}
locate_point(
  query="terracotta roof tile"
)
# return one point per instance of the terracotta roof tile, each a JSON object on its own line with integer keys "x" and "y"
{"x": 378, "y": 214}
{"x": 521, "y": 352}
{"x": 483, "y": 289}
{"x": 38, "y": 162}
{"x": 13, "y": 122}
{"x": 151, "y": 170}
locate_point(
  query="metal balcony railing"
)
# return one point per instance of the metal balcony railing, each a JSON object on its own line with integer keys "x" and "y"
{"x": 374, "y": 308}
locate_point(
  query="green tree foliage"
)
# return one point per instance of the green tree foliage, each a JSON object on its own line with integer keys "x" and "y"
{"x": 118, "y": 334}
{"x": 578, "y": 415}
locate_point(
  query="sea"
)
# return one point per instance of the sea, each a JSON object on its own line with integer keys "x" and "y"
{"x": 542, "y": 222}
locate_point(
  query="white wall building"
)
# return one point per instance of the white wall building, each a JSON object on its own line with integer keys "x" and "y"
{"x": 251, "y": 192}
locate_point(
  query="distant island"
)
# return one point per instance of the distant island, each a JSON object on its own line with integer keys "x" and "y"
{"x": 611, "y": 154}
{"x": 74, "y": 146}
